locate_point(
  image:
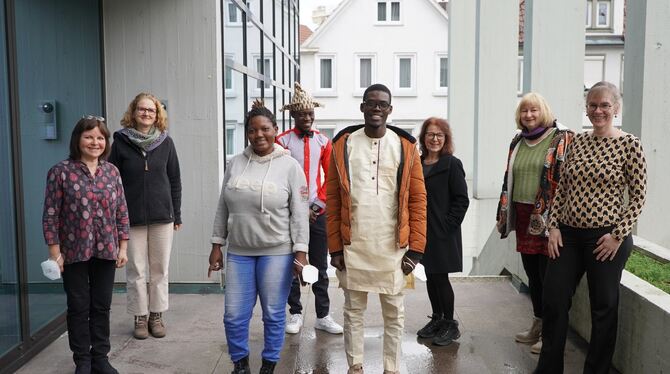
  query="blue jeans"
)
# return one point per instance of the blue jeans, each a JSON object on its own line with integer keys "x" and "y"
{"x": 269, "y": 278}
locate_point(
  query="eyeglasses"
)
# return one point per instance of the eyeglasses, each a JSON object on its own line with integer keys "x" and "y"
{"x": 146, "y": 110}
{"x": 435, "y": 135}
{"x": 89, "y": 116}
{"x": 603, "y": 106}
{"x": 372, "y": 104}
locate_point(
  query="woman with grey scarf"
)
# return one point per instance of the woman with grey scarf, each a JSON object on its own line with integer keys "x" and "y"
{"x": 146, "y": 157}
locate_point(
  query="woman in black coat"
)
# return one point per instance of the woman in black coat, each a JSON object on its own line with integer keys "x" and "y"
{"x": 447, "y": 203}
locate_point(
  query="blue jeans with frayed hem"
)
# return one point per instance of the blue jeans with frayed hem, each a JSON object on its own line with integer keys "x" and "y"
{"x": 248, "y": 278}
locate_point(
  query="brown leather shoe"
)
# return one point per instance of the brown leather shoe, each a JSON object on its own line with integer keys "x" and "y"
{"x": 156, "y": 325}
{"x": 141, "y": 332}
{"x": 355, "y": 369}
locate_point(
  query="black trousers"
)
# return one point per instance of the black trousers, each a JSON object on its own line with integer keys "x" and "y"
{"x": 318, "y": 257}
{"x": 441, "y": 294}
{"x": 535, "y": 266}
{"x": 563, "y": 275}
{"x": 88, "y": 286}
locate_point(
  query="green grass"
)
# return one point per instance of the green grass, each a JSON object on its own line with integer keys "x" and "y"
{"x": 650, "y": 270}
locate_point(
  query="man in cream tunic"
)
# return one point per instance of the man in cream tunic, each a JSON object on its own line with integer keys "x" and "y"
{"x": 376, "y": 223}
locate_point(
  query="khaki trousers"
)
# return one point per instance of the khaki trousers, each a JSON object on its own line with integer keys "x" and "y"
{"x": 393, "y": 312}
{"x": 149, "y": 246}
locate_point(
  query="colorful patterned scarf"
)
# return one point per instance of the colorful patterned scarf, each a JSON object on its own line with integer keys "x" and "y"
{"x": 147, "y": 142}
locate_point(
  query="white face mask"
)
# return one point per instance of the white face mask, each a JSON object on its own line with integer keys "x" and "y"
{"x": 420, "y": 272}
{"x": 310, "y": 274}
{"x": 51, "y": 269}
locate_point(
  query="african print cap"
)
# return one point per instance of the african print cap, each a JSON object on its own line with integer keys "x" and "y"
{"x": 301, "y": 100}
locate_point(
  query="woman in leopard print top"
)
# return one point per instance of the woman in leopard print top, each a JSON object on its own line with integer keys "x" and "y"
{"x": 590, "y": 225}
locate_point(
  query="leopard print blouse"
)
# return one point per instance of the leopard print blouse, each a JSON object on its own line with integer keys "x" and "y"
{"x": 594, "y": 178}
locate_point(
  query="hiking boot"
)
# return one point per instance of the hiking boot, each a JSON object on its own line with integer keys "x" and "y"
{"x": 294, "y": 324}
{"x": 532, "y": 335}
{"x": 268, "y": 367}
{"x": 537, "y": 347}
{"x": 447, "y": 334}
{"x": 355, "y": 369}
{"x": 102, "y": 366}
{"x": 328, "y": 324}
{"x": 156, "y": 325}
{"x": 141, "y": 331}
{"x": 432, "y": 327}
{"x": 241, "y": 366}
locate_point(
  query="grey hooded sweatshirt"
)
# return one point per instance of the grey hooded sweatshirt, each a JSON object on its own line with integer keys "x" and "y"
{"x": 263, "y": 207}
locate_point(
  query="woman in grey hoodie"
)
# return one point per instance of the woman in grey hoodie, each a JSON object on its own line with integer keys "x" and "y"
{"x": 262, "y": 217}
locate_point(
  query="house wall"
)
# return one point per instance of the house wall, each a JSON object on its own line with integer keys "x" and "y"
{"x": 353, "y": 29}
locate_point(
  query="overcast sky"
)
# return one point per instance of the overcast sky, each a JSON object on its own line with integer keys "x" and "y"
{"x": 306, "y": 7}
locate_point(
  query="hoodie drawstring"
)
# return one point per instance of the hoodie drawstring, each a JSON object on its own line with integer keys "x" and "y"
{"x": 237, "y": 183}
{"x": 263, "y": 183}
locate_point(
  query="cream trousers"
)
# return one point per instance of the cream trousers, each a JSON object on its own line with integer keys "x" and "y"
{"x": 393, "y": 312}
{"x": 148, "y": 249}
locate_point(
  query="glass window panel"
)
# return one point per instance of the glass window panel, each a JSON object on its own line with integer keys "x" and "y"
{"x": 228, "y": 78}
{"x": 395, "y": 11}
{"x": 235, "y": 108}
{"x": 603, "y": 13}
{"x": 233, "y": 14}
{"x": 381, "y": 11}
{"x": 10, "y": 323}
{"x": 405, "y": 72}
{"x": 326, "y": 73}
{"x": 444, "y": 76}
{"x": 365, "y": 72}
{"x": 589, "y": 13}
{"x": 593, "y": 70}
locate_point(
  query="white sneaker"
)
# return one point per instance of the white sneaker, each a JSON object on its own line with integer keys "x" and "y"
{"x": 328, "y": 324}
{"x": 294, "y": 324}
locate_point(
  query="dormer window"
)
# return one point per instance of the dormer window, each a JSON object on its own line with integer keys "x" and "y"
{"x": 598, "y": 14}
{"x": 388, "y": 11}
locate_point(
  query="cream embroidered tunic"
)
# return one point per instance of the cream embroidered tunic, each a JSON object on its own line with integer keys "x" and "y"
{"x": 373, "y": 258}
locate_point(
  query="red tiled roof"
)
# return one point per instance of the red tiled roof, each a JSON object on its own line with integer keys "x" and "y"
{"x": 305, "y": 32}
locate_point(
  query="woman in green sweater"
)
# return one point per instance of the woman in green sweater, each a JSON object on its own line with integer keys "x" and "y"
{"x": 533, "y": 165}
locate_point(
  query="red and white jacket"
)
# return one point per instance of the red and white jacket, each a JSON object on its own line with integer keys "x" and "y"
{"x": 312, "y": 152}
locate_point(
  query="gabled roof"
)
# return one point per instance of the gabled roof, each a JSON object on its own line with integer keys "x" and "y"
{"x": 343, "y": 5}
{"x": 305, "y": 32}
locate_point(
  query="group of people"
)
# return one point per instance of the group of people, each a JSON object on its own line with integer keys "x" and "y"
{"x": 108, "y": 205}
{"x": 374, "y": 198}
{"x": 572, "y": 200}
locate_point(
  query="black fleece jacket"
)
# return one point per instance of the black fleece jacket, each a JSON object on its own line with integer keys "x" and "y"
{"x": 152, "y": 182}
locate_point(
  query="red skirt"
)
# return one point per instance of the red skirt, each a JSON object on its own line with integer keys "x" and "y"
{"x": 526, "y": 243}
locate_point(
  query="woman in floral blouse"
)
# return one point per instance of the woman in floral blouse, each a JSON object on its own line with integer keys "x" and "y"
{"x": 85, "y": 223}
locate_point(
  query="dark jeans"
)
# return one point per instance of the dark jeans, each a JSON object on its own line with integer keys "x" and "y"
{"x": 318, "y": 257}
{"x": 535, "y": 266}
{"x": 561, "y": 279}
{"x": 88, "y": 286}
{"x": 441, "y": 295}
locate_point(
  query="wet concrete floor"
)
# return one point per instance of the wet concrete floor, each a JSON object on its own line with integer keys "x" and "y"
{"x": 490, "y": 311}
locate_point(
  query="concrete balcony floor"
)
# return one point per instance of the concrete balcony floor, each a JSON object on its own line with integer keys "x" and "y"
{"x": 490, "y": 312}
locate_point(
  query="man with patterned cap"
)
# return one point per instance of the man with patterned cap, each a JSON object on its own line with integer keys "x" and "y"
{"x": 312, "y": 150}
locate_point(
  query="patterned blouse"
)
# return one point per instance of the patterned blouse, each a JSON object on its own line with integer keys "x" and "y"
{"x": 87, "y": 215}
{"x": 594, "y": 178}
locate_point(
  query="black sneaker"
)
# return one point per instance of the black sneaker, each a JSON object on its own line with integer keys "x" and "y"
{"x": 241, "y": 366}
{"x": 268, "y": 367}
{"x": 431, "y": 329}
{"x": 448, "y": 334}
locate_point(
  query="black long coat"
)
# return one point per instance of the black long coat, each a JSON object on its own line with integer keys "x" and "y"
{"x": 447, "y": 203}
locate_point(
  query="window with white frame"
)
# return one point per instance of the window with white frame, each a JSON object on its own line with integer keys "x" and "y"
{"x": 325, "y": 74}
{"x": 441, "y": 73}
{"x": 365, "y": 72}
{"x": 598, "y": 14}
{"x": 263, "y": 66}
{"x": 234, "y": 14}
{"x": 388, "y": 11}
{"x": 594, "y": 70}
{"x": 230, "y": 139}
{"x": 405, "y": 74}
